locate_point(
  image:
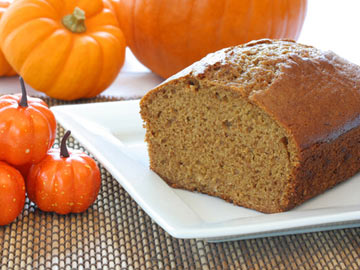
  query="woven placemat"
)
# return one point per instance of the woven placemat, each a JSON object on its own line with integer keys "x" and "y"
{"x": 115, "y": 233}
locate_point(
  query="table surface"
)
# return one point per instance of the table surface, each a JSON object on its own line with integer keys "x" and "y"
{"x": 329, "y": 25}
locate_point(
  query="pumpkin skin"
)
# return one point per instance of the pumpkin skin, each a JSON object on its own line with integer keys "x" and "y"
{"x": 53, "y": 59}
{"x": 5, "y": 68}
{"x": 12, "y": 193}
{"x": 167, "y": 36}
{"x": 26, "y": 133}
{"x": 63, "y": 184}
{"x": 24, "y": 169}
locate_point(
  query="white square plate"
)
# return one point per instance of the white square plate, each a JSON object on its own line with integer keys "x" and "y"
{"x": 113, "y": 133}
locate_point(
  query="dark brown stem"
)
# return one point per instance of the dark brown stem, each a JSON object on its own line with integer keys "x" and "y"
{"x": 63, "y": 149}
{"x": 23, "y": 102}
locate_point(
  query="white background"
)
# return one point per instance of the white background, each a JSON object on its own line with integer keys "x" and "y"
{"x": 329, "y": 25}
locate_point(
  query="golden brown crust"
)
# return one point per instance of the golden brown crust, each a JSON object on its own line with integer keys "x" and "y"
{"x": 316, "y": 100}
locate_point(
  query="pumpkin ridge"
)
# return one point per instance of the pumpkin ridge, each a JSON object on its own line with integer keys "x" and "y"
{"x": 38, "y": 196}
{"x": 267, "y": 30}
{"x": 189, "y": 19}
{"x": 74, "y": 187}
{"x": 9, "y": 102}
{"x": 221, "y": 23}
{"x": 155, "y": 31}
{"x": 29, "y": 188}
{"x": 98, "y": 12}
{"x": 248, "y": 18}
{"x": 8, "y": 122}
{"x": 102, "y": 28}
{"x": 40, "y": 114}
{"x": 31, "y": 125}
{"x": 51, "y": 183}
{"x": 16, "y": 29}
{"x": 101, "y": 65}
{"x": 61, "y": 65}
{"x": 286, "y": 19}
{"x": 51, "y": 91}
{"x": 5, "y": 68}
{"x": 271, "y": 25}
{"x": 132, "y": 16}
{"x": 35, "y": 43}
{"x": 77, "y": 180}
{"x": 38, "y": 105}
{"x": 35, "y": 16}
{"x": 46, "y": 3}
{"x": 11, "y": 120}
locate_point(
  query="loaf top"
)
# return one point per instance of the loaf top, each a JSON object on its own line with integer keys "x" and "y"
{"x": 314, "y": 95}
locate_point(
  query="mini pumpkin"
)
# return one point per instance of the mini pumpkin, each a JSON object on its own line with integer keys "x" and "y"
{"x": 67, "y": 49}
{"x": 27, "y": 128}
{"x": 5, "y": 68}
{"x": 64, "y": 181}
{"x": 12, "y": 193}
{"x": 166, "y": 36}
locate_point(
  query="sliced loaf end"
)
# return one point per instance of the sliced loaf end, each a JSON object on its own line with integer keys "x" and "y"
{"x": 209, "y": 138}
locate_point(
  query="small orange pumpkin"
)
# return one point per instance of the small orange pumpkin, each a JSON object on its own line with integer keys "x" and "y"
{"x": 67, "y": 49}
{"x": 64, "y": 182}
{"x": 12, "y": 193}
{"x": 166, "y": 36}
{"x": 5, "y": 68}
{"x": 27, "y": 128}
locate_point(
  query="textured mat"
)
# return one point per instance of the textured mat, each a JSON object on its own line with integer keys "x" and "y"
{"x": 114, "y": 233}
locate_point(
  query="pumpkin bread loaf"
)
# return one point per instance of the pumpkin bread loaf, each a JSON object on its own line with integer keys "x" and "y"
{"x": 266, "y": 125}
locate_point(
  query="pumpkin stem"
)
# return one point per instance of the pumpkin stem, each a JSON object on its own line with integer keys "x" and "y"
{"x": 75, "y": 22}
{"x": 63, "y": 149}
{"x": 23, "y": 101}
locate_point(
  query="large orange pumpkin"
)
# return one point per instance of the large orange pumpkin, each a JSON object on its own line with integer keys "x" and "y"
{"x": 166, "y": 36}
{"x": 67, "y": 49}
{"x": 5, "y": 68}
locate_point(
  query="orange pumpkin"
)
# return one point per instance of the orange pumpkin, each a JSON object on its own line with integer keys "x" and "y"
{"x": 64, "y": 182}
{"x": 27, "y": 128}
{"x": 12, "y": 193}
{"x": 5, "y": 68}
{"x": 67, "y": 49}
{"x": 167, "y": 36}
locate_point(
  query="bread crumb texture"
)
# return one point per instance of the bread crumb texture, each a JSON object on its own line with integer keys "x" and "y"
{"x": 249, "y": 124}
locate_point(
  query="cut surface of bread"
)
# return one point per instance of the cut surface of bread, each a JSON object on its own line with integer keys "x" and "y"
{"x": 248, "y": 124}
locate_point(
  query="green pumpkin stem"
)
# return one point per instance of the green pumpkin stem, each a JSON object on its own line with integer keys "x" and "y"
{"x": 63, "y": 149}
{"x": 23, "y": 101}
{"x": 75, "y": 22}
